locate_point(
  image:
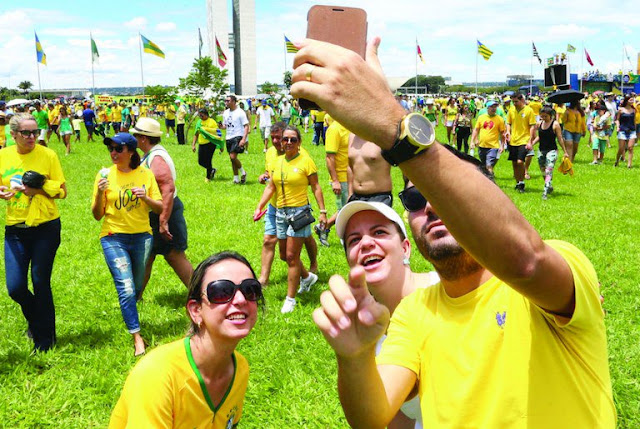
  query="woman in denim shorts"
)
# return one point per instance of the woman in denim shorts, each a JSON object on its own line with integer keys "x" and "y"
{"x": 625, "y": 123}
{"x": 292, "y": 175}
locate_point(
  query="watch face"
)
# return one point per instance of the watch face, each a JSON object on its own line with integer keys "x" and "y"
{"x": 421, "y": 130}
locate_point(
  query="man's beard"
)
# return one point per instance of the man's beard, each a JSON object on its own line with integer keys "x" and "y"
{"x": 449, "y": 259}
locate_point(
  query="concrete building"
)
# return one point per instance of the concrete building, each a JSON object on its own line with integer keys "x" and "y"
{"x": 243, "y": 65}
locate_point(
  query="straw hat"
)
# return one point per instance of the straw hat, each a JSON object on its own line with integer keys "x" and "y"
{"x": 147, "y": 127}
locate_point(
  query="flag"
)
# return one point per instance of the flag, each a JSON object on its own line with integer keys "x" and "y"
{"x": 222, "y": 58}
{"x": 200, "y": 43}
{"x": 484, "y": 51}
{"x": 571, "y": 48}
{"x": 588, "y": 57}
{"x": 40, "y": 55}
{"x": 626, "y": 53}
{"x": 535, "y": 53}
{"x": 95, "y": 56}
{"x": 420, "y": 53}
{"x": 291, "y": 48}
{"x": 151, "y": 48}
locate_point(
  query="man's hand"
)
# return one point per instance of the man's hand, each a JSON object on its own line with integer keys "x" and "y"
{"x": 193, "y": 147}
{"x": 350, "y": 319}
{"x": 337, "y": 188}
{"x": 242, "y": 142}
{"x": 6, "y": 193}
{"x": 164, "y": 231}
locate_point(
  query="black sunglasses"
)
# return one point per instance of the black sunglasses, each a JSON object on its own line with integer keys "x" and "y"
{"x": 412, "y": 200}
{"x": 223, "y": 291}
{"x": 118, "y": 149}
{"x": 28, "y": 133}
{"x": 290, "y": 139}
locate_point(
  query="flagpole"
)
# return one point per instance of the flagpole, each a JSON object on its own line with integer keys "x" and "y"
{"x": 141, "y": 72}
{"x": 416, "y": 82}
{"x": 93, "y": 80}
{"x": 285, "y": 54}
{"x": 622, "y": 72}
{"x": 582, "y": 67}
{"x": 476, "y": 71}
{"x": 39, "y": 85}
{"x": 199, "y": 44}
{"x": 531, "y": 77}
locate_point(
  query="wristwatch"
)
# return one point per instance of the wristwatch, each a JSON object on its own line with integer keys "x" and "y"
{"x": 415, "y": 135}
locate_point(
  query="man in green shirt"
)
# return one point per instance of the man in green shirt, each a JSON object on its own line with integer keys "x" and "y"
{"x": 42, "y": 119}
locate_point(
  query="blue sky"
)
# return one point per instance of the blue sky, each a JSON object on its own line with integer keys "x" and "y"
{"x": 446, "y": 31}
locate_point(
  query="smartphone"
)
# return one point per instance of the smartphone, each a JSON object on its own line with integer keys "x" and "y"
{"x": 342, "y": 26}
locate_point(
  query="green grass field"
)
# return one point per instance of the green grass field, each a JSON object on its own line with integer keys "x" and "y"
{"x": 293, "y": 371}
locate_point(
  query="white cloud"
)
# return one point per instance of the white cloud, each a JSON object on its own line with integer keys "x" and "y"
{"x": 166, "y": 26}
{"x": 138, "y": 23}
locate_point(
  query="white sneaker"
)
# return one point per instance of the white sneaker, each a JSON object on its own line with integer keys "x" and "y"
{"x": 167, "y": 135}
{"x": 288, "y": 306}
{"x": 305, "y": 284}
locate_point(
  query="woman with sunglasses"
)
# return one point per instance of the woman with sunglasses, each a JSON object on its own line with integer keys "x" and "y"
{"x": 201, "y": 380}
{"x": 32, "y": 232}
{"x": 293, "y": 173}
{"x": 123, "y": 196}
{"x": 375, "y": 239}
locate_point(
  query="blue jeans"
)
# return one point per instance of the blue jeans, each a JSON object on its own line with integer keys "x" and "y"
{"x": 126, "y": 256}
{"x": 36, "y": 245}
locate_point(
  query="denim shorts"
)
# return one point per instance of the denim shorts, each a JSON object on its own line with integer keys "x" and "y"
{"x": 488, "y": 156}
{"x": 270, "y": 221}
{"x": 341, "y": 199}
{"x": 574, "y": 137}
{"x": 627, "y": 135}
{"x": 283, "y": 229}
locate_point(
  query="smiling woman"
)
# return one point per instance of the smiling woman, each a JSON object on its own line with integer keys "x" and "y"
{"x": 201, "y": 380}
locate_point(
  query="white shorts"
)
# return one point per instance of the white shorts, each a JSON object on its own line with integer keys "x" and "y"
{"x": 43, "y": 134}
{"x": 265, "y": 132}
{"x": 449, "y": 123}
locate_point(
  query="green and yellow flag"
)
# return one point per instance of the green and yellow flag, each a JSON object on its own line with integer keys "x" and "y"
{"x": 151, "y": 48}
{"x": 484, "y": 51}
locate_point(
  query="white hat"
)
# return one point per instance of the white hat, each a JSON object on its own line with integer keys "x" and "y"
{"x": 357, "y": 206}
{"x": 147, "y": 127}
{"x": 429, "y": 101}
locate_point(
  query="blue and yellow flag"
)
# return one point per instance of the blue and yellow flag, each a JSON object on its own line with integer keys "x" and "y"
{"x": 40, "y": 55}
{"x": 484, "y": 51}
{"x": 291, "y": 48}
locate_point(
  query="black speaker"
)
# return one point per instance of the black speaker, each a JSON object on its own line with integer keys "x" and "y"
{"x": 556, "y": 75}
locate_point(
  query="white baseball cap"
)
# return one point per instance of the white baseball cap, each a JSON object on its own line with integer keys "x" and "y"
{"x": 357, "y": 206}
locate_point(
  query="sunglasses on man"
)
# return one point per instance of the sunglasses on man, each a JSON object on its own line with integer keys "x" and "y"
{"x": 412, "y": 200}
{"x": 223, "y": 291}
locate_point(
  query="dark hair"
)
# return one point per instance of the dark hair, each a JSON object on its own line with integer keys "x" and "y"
{"x": 548, "y": 110}
{"x": 601, "y": 106}
{"x": 233, "y": 97}
{"x": 203, "y": 111}
{"x": 153, "y": 140}
{"x": 195, "y": 284}
{"x": 625, "y": 102}
{"x": 293, "y": 128}
{"x": 575, "y": 104}
{"x": 518, "y": 95}
{"x": 134, "y": 162}
{"x": 278, "y": 126}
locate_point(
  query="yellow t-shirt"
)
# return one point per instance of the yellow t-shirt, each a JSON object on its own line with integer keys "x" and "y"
{"x": 452, "y": 111}
{"x": 490, "y": 128}
{"x": 560, "y": 113}
{"x": 54, "y": 116}
{"x": 116, "y": 113}
{"x": 291, "y": 179}
{"x": 318, "y": 115}
{"x": 3, "y": 137}
{"x": 328, "y": 120}
{"x": 573, "y": 122}
{"x": 170, "y": 112}
{"x": 536, "y": 106}
{"x": 12, "y": 165}
{"x": 143, "y": 111}
{"x": 210, "y": 126}
{"x": 521, "y": 122}
{"x": 337, "y": 143}
{"x": 124, "y": 212}
{"x": 492, "y": 359}
{"x": 166, "y": 390}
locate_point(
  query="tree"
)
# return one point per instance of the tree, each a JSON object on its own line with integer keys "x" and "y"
{"x": 161, "y": 94}
{"x": 205, "y": 76}
{"x": 287, "y": 79}
{"x": 269, "y": 88}
{"x": 432, "y": 83}
{"x": 25, "y": 86}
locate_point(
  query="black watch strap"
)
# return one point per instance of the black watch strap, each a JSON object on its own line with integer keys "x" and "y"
{"x": 401, "y": 151}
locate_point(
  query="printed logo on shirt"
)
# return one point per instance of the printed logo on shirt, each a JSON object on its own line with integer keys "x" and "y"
{"x": 126, "y": 199}
{"x": 488, "y": 125}
{"x": 501, "y": 318}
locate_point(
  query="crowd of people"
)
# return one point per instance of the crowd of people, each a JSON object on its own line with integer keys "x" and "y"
{"x": 505, "y": 321}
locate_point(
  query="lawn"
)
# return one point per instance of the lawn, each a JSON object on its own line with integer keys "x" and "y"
{"x": 293, "y": 381}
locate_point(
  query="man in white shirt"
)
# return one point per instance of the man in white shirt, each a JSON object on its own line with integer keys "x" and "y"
{"x": 237, "y": 125}
{"x": 265, "y": 113}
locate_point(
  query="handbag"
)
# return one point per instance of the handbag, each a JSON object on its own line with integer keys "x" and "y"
{"x": 301, "y": 219}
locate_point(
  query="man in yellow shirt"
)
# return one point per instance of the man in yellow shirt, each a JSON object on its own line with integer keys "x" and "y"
{"x": 488, "y": 135}
{"x": 512, "y": 337}
{"x": 170, "y": 118}
{"x": 521, "y": 128}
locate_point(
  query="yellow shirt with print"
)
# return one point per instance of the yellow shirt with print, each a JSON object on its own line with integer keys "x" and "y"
{"x": 490, "y": 128}
{"x": 13, "y": 164}
{"x": 291, "y": 179}
{"x": 164, "y": 390}
{"x": 493, "y": 359}
{"x": 124, "y": 213}
{"x": 210, "y": 126}
{"x": 337, "y": 143}
{"x": 170, "y": 112}
{"x": 520, "y": 122}
{"x": 574, "y": 122}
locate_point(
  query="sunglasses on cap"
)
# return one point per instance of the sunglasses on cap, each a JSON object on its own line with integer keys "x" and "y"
{"x": 412, "y": 200}
{"x": 118, "y": 148}
{"x": 223, "y": 291}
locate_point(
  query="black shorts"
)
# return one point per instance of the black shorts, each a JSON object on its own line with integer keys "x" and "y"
{"x": 177, "y": 228}
{"x": 517, "y": 153}
{"x": 54, "y": 128}
{"x": 378, "y": 197}
{"x": 233, "y": 145}
{"x": 170, "y": 123}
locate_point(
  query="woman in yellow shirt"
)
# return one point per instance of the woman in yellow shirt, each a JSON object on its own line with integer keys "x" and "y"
{"x": 450, "y": 111}
{"x": 32, "y": 232}
{"x": 123, "y": 195}
{"x": 199, "y": 381}
{"x": 575, "y": 126}
{"x": 292, "y": 175}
